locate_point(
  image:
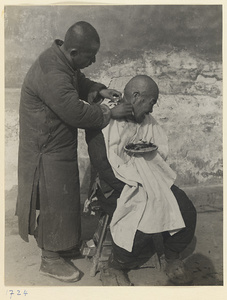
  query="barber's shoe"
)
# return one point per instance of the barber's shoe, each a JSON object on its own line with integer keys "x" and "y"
{"x": 71, "y": 254}
{"x": 114, "y": 277}
{"x": 178, "y": 272}
{"x": 59, "y": 269}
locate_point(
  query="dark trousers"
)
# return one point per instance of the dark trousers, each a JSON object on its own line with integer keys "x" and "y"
{"x": 173, "y": 245}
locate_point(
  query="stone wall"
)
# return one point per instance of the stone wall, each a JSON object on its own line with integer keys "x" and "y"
{"x": 189, "y": 77}
{"x": 126, "y": 32}
{"x": 189, "y": 109}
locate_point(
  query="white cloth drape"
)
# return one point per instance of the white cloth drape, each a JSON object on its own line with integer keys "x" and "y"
{"x": 146, "y": 202}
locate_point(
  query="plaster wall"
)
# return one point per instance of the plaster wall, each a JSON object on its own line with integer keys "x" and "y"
{"x": 179, "y": 46}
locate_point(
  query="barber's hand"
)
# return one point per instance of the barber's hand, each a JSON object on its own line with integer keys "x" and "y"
{"x": 110, "y": 94}
{"x": 121, "y": 110}
{"x": 139, "y": 112}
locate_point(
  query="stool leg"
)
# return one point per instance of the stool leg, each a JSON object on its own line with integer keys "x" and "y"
{"x": 95, "y": 259}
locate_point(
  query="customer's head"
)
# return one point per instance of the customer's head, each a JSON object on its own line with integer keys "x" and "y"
{"x": 142, "y": 92}
{"x": 81, "y": 44}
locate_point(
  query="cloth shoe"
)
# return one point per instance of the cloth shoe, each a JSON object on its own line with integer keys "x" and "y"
{"x": 177, "y": 272}
{"x": 59, "y": 269}
{"x": 114, "y": 277}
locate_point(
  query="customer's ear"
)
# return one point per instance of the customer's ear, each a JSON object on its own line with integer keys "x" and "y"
{"x": 74, "y": 52}
{"x": 136, "y": 97}
{"x": 136, "y": 94}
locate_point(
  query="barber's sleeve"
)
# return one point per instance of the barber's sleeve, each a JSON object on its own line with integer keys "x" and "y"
{"x": 59, "y": 94}
{"x": 87, "y": 86}
{"x": 97, "y": 153}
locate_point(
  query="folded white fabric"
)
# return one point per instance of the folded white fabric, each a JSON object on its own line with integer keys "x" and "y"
{"x": 146, "y": 202}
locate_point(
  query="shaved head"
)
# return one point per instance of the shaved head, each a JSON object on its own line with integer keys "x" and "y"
{"x": 142, "y": 92}
{"x": 141, "y": 84}
{"x": 82, "y": 36}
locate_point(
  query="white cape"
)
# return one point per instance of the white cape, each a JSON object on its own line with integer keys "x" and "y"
{"x": 146, "y": 202}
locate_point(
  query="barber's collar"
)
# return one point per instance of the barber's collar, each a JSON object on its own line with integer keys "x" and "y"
{"x": 57, "y": 47}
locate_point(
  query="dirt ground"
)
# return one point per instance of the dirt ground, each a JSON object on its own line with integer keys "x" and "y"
{"x": 204, "y": 256}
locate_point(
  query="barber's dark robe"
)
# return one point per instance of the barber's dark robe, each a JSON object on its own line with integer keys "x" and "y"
{"x": 50, "y": 113}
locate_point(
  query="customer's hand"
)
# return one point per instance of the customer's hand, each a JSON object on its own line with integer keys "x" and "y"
{"x": 121, "y": 110}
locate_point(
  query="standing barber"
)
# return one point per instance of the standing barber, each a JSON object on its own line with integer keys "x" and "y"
{"x": 51, "y": 110}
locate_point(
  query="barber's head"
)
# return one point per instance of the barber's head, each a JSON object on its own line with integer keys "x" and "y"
{"x": 142, "y": 92}
{"x": 81, "y": 44}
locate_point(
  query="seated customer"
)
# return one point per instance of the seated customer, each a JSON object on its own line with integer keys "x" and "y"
{"x": 138, "y": 190}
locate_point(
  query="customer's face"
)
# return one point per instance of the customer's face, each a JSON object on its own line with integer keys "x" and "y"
{"x": 148, "y": 102}
{"x": 144, "y": 105}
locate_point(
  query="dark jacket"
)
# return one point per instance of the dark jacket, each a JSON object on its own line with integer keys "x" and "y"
{"x": 50, "y": 113}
